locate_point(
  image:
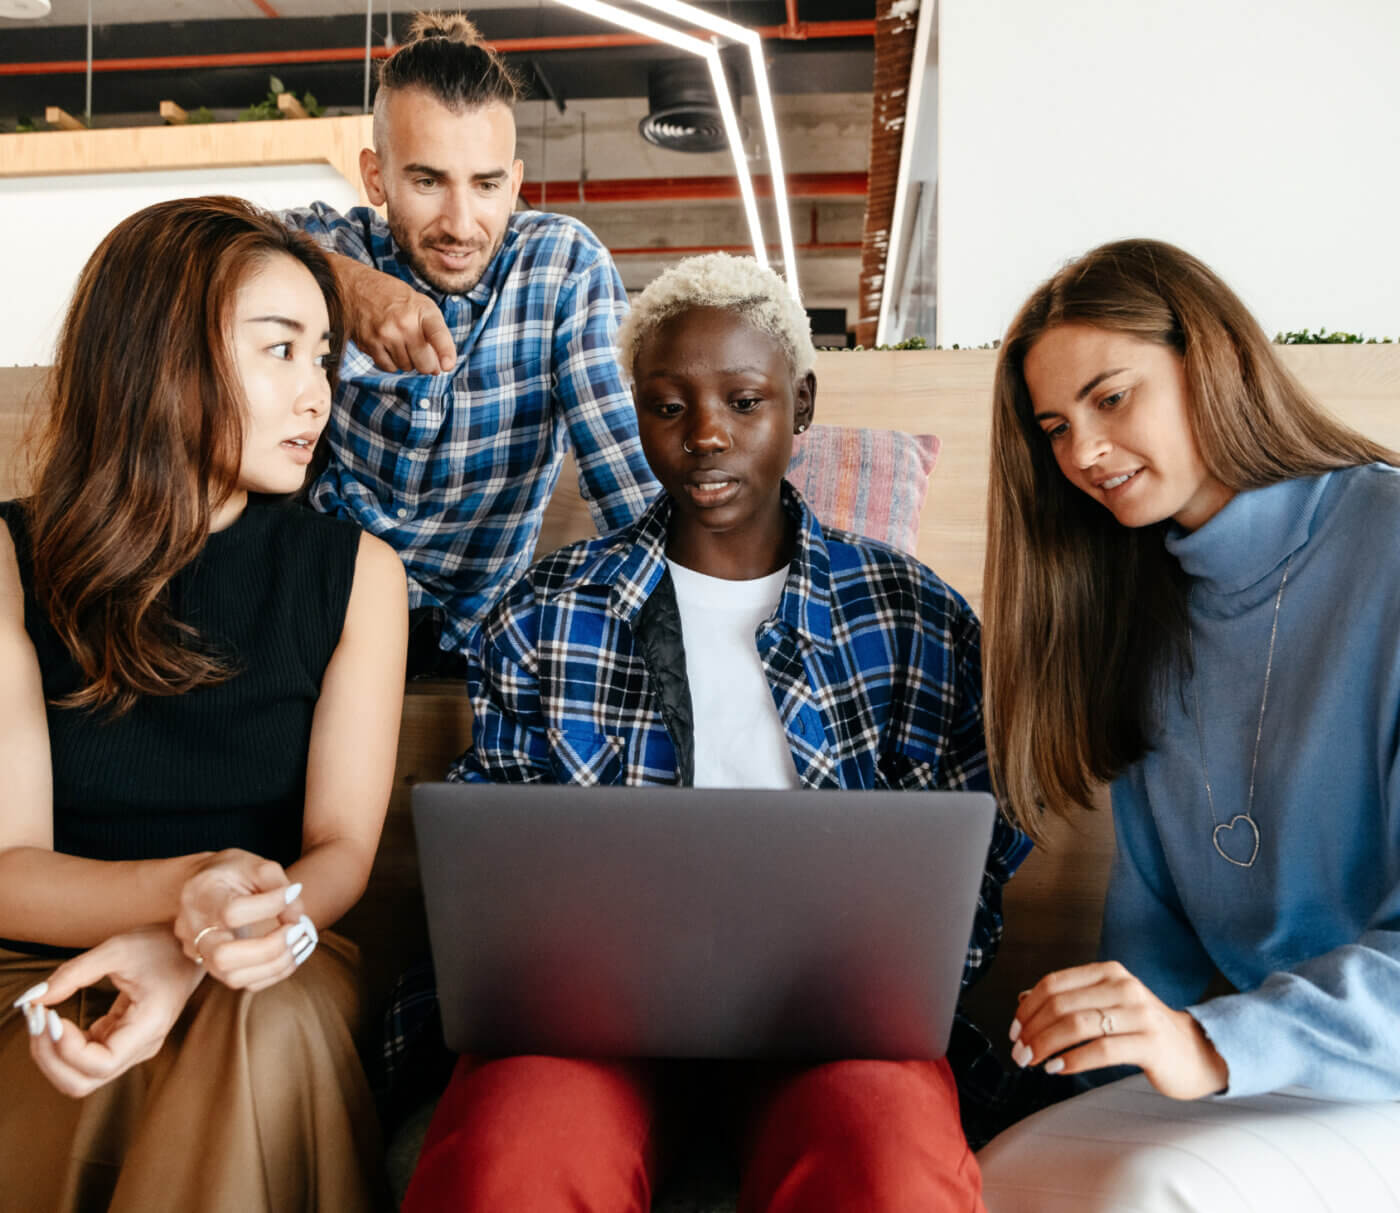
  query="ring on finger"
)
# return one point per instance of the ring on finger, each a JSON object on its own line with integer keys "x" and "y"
{"x": 1105, "y": 1023}
{"x": 194, "y": 946}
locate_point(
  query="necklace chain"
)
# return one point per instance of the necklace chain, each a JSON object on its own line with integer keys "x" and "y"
{"x": 1247, "y": 817}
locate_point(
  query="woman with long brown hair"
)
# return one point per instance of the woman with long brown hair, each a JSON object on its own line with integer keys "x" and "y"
{"x": 1193, "y": 593}
{"x": 200, "y": 687}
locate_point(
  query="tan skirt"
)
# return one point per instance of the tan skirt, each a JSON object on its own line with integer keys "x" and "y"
{"x": 257, "y": 1103}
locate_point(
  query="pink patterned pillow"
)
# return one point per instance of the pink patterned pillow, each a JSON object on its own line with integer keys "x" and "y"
{"x": 872, "y": 482}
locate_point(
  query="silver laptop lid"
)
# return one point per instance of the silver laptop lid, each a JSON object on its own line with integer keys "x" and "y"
{"x": 681, "y": 922}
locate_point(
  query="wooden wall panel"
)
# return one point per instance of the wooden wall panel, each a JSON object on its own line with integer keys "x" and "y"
{"x": 1053, "y": 905}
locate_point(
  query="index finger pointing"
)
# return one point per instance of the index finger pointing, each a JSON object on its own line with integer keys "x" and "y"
{"x": 439, "y": 336}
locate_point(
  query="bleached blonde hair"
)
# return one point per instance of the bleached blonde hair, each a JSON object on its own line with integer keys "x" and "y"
{"x": 736, "y": 284}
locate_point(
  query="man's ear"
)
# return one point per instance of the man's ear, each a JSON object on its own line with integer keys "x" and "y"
{"x": 371, "y": 174}
{"x": 804, "y": 402}
{"x": 517, "y": 177}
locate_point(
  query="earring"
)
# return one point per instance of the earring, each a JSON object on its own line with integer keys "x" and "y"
{"x": 685, "y": 446}
{"x": 802, "y": 429}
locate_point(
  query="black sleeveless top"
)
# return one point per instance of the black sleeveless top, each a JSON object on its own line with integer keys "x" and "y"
{"x": 224, "y": 765}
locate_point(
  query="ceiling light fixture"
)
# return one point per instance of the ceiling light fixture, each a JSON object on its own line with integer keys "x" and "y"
{"x": 750, "y": 38}
{"x": 709, "y": 52}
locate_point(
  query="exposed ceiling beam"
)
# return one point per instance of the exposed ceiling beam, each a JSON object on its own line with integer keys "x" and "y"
{"x": 344, "y": 54}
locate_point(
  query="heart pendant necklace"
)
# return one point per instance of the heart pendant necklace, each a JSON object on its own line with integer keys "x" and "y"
{"x": 1249, "y": 827}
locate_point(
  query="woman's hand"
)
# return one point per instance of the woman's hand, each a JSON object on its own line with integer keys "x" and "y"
{"x": 154, "y": 979}
{"x": 1101, "y": 1015}
{"x": 241, "y": 920}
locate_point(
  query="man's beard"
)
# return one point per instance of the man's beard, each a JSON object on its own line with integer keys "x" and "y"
{"x": 458, "y": 284}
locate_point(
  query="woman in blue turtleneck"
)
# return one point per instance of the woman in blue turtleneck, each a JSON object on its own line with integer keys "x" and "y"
{"x": 1193, "y": 579}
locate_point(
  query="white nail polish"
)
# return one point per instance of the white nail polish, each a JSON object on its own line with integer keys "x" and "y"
{"x": 299, "y": 958}
{"x": 55, "y": 1026}
{"x": 1021, "y": 1055}
{"x": 294, "y": 932}
{"x": 310, "y": 928}
{"x": 34, "y": 1018}
{"x": 1015, "y": 1032}
{"x": 293, "y": 891}
{"x": 34, "y": 992}
{"x": 1054, "y": 1065}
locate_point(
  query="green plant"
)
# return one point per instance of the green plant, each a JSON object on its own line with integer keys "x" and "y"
{"x": 1323, "y": 337}
{"x": 201, "y": 115}
{"x": 266, "y": 109}
{"x": 909, "y": 343}
{"x": 1296, "y": 337}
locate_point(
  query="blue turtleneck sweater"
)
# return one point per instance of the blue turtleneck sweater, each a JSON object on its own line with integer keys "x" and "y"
{"x": 1310, "y": 934}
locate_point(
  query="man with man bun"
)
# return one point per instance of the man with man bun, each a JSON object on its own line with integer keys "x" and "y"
{"x": 482, "y": 344}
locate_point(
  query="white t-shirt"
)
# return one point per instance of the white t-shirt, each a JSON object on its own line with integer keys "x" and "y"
{"x": 739, "y": 740}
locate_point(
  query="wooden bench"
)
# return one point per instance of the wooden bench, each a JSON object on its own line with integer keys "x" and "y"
{"x": 1054, "y": 903}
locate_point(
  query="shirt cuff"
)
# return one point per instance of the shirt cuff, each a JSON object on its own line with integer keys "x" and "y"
{"x": 1258, "y": 1061}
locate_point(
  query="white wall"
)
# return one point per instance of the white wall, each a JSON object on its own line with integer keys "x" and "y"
{"x": 54, "y": 223}
{"x": 910, "y": 286}
{"x": 1261, "y": 135}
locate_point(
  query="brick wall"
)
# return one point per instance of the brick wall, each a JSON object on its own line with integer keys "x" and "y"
{"x": 895, "y": 28}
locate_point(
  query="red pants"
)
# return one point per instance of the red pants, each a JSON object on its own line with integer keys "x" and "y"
{"x": 549, "y": 1135}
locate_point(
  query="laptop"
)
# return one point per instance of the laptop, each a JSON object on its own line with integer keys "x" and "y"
{"x": 690, "y": 922}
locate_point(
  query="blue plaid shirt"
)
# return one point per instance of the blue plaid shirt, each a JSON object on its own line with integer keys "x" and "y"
{"x": 874, "y": 666}
{"x": 455, "y": 470}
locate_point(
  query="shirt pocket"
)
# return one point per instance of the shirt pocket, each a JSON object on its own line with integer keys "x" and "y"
{"x": 909, "y": 770}
{"x": 585, "y": 758}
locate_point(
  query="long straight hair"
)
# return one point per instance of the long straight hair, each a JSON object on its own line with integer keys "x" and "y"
{"x": 144, "y": 438}
{"x": 1085, "y": 618}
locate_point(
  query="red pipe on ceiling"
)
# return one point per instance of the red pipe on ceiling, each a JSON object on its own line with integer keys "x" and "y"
{"x": 793, "y": 28}
{"x": 691, "y": 189}
{"x": 345, "y": 54}
{"x": 690, "y": 250}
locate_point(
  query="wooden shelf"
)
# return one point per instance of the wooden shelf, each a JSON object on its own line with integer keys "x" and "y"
{"x": 333, "y": 141}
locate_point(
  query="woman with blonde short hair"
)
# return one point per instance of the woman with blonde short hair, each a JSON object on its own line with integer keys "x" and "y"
{"x": 725, "y": 639}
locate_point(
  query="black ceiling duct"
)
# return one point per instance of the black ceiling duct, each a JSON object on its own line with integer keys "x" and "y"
{"x": 684, "y": 114}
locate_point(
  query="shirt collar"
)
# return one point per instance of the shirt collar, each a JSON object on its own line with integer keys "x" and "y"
{"x": 633, "y": 567}
{"x": 499, "y": 265}
{"x": 1251, "y": 536}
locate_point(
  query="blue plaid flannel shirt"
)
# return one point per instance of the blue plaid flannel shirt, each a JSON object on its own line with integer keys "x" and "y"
{"x": 455, "y": 470}
{"x": 874, "y": 665}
